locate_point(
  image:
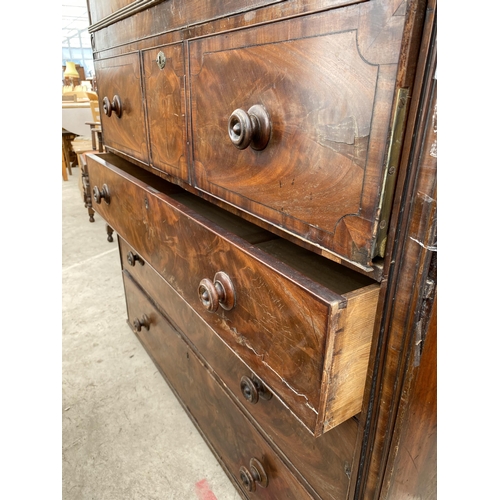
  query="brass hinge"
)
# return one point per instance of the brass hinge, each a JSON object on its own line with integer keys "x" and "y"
{"x": 391, "y": 168}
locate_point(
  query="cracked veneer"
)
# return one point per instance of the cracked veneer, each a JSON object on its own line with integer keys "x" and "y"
{"x": 241, "y": 339}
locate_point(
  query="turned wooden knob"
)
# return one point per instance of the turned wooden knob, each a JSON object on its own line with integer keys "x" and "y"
{"x": 249, "y": 128}
{"x": 109, "y": 106}
{"x": 252, "y": 388}
{"x": 219, "y": 292}
{"x": 254, "y": 475}
{"x": 132, "y": 258}
{"x": 101, "y": 194}
{"x": 140, "y": 323}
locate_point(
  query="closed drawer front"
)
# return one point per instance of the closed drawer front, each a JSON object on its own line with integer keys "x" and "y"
{"x": 309, "y": 341}
{"x": 165, "y": 102}
{"x": 290, "y": 123}
{"x": 324, "y": 462}
{"x": 121, "y": 105}
{"x": 233, "y": 439}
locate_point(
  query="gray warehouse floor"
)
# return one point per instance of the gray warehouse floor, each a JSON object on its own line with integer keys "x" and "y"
{"x": 124, "y": 434}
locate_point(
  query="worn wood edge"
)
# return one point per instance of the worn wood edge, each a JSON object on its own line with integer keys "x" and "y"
{"x": 428, "y": 359}
{"x": 127, "y": 11}
{"x": 420, "y": 16}
{"x": 305, "y": 413}
{"x": 217, "y": 25}
{"x": 332, "y": 330}
{"x": 265, "y": 434}
{"x": 351, "y": 352}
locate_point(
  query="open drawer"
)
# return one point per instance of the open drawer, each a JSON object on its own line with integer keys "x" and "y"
{"x": 300, "y": 322}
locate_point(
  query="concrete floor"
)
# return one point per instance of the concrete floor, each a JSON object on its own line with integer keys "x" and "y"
{"x": 124, "y": 434}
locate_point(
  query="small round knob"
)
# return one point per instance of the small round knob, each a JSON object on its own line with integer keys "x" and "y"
{"x": 132, "y": 258}
{"x": 101, "y": 194}
{"x": 247, "y": 479}
{"x": 249, "y": 390}
{"x": 109, "y": 106}
{"x": 140, "y": 323}
{"x": 254, "y": 475}
{"x": 249, "y": 128}
{"x": 253, "y": 388}
{"x": 219, "y": 292}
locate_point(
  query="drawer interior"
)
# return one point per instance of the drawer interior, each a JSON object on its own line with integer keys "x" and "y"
{"x": 333, "y": 276}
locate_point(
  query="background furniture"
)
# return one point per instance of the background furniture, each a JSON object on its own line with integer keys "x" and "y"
{"x": 68, "y": 155}
{"x": 81, "y": 148}
{"x": 95, "y": 126}
{"x": 273, "y": 189}
{"x": 75, "y": 116}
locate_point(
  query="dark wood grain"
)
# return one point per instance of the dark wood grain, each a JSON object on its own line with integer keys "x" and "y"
{"x": 320, "y": 174}
{"x": 310, "y": 341}
{"x": 121, "y": 76}
{"x": 328, "y": 73}
{"x": 412, "y": 244}
{"x": 166, "y": 109}
{"x": 180, "y": 21}
{"x": 329, "y": 134}
{"x": 412, "y": 465}
{"x": 324, "y": 462}
{"x": 234, "y": 440}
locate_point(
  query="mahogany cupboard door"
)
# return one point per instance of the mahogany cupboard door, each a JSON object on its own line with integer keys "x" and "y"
{"x": 166, "y": 108}
{"x": 121, "y": 105}
{"x": 291, "y": 121}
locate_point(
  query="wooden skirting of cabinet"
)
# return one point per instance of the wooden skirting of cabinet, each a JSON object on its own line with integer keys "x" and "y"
{"x": 267, "y": 173}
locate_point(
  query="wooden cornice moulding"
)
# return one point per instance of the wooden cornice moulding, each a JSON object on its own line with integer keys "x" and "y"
{"x": 123, "y": 13}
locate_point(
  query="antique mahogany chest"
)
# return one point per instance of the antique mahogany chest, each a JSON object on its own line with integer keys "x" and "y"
{"x": 269, "y": 169}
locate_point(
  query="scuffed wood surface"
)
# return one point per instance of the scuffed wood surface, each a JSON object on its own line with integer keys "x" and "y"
{"x": 166, "y": 110}
{"x": 320, "y": 175}
{"x": 284, "y": 325}
{"x": 231, "y": 436}
{"x": 121, "y": 76}
{"x": 324, "y": 462}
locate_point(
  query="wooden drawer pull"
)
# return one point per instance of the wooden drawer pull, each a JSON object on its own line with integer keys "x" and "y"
{"x": 132, "y": 258}
{"x": 219, "y": 292}
{"x": 252, "y": 128}
{"x": 109, "y": 106}
{"x": 101, "y": 194}
{"x": 252, "y": 388}
{"x": 253, "y": 476}
{"x": 140, "y": 323}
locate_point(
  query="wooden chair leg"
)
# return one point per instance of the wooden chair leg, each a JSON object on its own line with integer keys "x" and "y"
{"x": 110, "y": 231}
{"x": 99, "y": 139}
{"x": 92, "y": 136}
{"x": 64, "y": 171}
